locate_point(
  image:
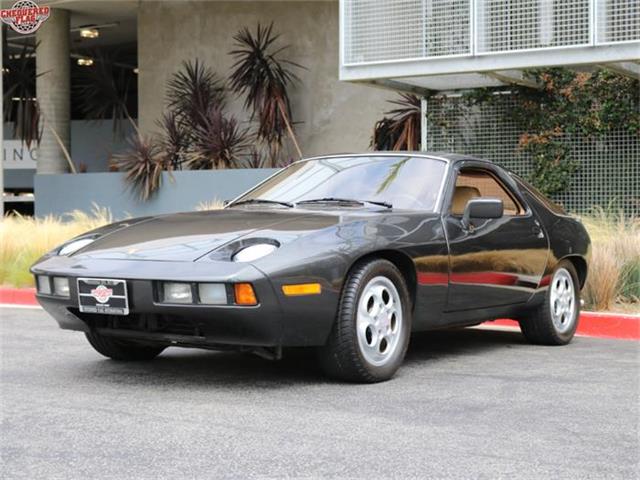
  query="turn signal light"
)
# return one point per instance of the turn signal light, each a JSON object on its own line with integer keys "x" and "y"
{"x": 302, "y": 289}
{"x": 244, "y": 294}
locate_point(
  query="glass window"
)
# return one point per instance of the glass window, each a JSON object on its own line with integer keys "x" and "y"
{"x": 478, "y": 183}
{"x": 412, "y": 183}
{"x": 538, "y": 195}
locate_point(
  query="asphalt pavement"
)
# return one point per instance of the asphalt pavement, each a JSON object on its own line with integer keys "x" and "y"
{"x": 468, "y": 403}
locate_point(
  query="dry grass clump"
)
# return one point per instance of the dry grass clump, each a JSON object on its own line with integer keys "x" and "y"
{"x": 214, "y": 204}
{"x": 25, "y": 239}
{"x": 613, "y": 282}
{"x": 614, "y": 270}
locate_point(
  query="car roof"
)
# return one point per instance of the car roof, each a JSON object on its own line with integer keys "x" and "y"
{"x": 445, "y": 156}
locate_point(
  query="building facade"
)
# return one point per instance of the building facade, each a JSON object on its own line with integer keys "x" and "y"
{"x": 347, "y": 48}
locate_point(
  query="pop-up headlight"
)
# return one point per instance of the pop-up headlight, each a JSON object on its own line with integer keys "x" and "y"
{"x": 75, "y": 245}
{"x": 254, "y": 252}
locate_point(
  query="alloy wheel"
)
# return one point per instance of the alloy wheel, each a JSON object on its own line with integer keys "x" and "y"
{"x": 379, "y": 321}
{"x": 563, "y": 300}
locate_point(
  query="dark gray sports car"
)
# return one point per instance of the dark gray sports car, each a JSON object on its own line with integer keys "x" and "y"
{"x": 347, "y": 253}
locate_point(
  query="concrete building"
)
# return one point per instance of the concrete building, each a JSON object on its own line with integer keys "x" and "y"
{"x": 330, "y": 115}
{"x": 347, "y": 47}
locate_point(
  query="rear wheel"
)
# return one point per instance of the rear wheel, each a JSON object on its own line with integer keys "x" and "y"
{"x": 122, "y": 350}
{"x": 371, "y": 333}
{"x": 554, "y": 322}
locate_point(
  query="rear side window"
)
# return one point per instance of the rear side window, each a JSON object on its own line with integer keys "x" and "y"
{"x": 478, "y": 184}
{"x": 539, "y": 196}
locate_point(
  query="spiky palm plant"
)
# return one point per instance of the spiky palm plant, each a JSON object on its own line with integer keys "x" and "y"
{"x": 263, "y": 77}
{"x": 219, "y": 142}
{"x": 177, "y": 138}
{"x": 19, "y": 96}
{"x": 143, "y": 163}
{"x": 195, "y": 103}
{"x": 255, "y": 159}
{"x": 193, "y": 90}
{"x": 400, "y": 128}
{"x": 102, "y": 89}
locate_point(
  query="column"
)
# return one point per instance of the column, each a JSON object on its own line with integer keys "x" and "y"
{"x": 53, "y": 86}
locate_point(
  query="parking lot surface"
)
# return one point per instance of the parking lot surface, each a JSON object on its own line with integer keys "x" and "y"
{"x": 467, "y": 404}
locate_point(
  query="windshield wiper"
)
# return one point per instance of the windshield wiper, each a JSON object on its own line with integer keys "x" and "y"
{"x": 261, "y": 200}
{"x": 345, "y": 200}
{"x": 380, "y": 203}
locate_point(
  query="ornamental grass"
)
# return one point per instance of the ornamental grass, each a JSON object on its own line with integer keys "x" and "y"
{"x": 25, "y": 239}
{"x": 614, "y": 271}
{"x": 613, "y": 282}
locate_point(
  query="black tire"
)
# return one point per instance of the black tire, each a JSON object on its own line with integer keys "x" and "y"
{"x": 342, "y": 357}
{"x": 122, "y": 350}
{"x": 538, "y": 326}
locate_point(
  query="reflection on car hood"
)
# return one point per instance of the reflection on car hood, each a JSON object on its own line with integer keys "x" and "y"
{"x": 189, "y": 236}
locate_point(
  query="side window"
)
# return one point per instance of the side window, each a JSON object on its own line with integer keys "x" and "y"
{"x": 477, "y": 184}
{"x": 538, "y": 195}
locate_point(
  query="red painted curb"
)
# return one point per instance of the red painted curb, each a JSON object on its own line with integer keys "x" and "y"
{"x": 592, "y": 324}
{"x": 18, "y": 296}
{"x": 599, "y": 325}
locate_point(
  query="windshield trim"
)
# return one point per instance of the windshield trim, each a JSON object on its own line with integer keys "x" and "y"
{"x": 437, "y": 204}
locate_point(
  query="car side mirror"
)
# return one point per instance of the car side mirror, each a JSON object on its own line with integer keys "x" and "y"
{"x": 482, "y": 208}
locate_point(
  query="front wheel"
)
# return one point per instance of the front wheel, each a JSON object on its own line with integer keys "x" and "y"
{"x": 554, "y": 322}
{"x": 122, "y": 350}
{"x": 371, "y": 334}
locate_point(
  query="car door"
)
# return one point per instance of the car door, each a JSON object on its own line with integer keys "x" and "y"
{"x": 492, "y": 262}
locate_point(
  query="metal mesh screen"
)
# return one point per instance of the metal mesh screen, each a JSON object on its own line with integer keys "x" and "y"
{"x": 609, "y": 168}
{"x": 379, "y": 30}
{"x": 506, "y": 25}
{"x": 618, "y": 20}
{"x": 383, "y": 30}
{"x": 447, "y": 27}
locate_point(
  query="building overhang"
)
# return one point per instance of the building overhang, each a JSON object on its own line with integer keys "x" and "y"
{"x": 407, "y": 45}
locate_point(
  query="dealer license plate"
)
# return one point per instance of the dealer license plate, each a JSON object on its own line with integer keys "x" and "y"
{"x": 101, "y": 295}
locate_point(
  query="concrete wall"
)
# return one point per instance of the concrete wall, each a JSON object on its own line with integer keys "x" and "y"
{"x": 92, "y": 145}
{"x": 334, "y": 116}
{"x": 61, "y": 194}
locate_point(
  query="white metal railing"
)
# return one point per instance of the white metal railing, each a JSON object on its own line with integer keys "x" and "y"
{"x": 617, "y": 21}
{"x": 505, "y": 26}
{"x": 377, "y": 31}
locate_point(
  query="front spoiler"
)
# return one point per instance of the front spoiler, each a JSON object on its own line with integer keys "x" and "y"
{"x": 259, "y": 325}
{"x": 277, "y": 320}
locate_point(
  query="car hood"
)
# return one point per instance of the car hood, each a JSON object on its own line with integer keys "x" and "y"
{"x": 189, "y": 236}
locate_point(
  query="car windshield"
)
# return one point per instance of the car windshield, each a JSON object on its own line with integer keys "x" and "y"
{"x": 403, "y": 182}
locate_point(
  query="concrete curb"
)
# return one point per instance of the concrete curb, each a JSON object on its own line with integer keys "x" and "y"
{"x": 592, "y": 324}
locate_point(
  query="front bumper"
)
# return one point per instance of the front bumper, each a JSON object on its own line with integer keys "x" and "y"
{"x": 150, "y": 321}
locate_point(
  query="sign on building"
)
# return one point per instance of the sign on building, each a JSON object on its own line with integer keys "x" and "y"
{"x": 16, "y": 155}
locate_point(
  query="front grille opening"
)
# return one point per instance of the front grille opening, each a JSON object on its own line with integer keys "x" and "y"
{"x": 142, "y": 323}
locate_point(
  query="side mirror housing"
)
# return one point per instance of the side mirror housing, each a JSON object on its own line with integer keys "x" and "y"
{"x": 482, "y": 208}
